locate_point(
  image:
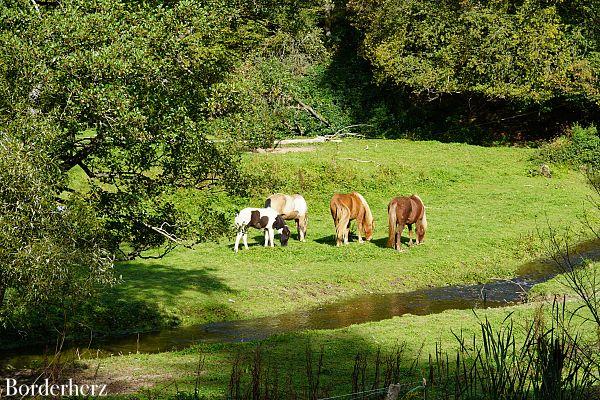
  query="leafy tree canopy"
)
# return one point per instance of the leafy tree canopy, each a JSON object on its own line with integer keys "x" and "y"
{"x": 525, "y": 51}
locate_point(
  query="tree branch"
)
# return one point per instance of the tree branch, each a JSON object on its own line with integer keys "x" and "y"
{"x": 312, "y": 112}
{"x": 160, "y": 230}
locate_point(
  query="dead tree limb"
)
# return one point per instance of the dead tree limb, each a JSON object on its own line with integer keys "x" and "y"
{"x": 160, "y": 230}
{"x": 312, "y": 112}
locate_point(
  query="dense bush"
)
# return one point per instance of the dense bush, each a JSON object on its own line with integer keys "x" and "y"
{"x": 579, "y": 147}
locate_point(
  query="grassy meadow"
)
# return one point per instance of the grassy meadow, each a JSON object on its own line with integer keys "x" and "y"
{"x": 484, "y": 208}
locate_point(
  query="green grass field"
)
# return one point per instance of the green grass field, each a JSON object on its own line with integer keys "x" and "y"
{"x": 484, "y": 208}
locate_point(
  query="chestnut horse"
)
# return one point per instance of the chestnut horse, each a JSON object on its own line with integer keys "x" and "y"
{"x": 406, "y": 211}
{"x": 291, "y": 208}
{"x": 346, "y": 207}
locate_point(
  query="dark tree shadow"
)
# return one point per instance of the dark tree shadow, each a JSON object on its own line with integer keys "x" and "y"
{"x": 168, "y": 279}
{"x": 134, "y": 305}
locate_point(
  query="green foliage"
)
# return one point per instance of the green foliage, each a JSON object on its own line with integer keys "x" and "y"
{"x": 581, "y": 146}
{"x": 529, "y": 51}
{"x": 51, "y": 255}
{"x": 122, "y": 88}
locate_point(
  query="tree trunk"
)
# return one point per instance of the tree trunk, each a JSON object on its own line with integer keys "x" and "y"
{"x": 2, "y": 292}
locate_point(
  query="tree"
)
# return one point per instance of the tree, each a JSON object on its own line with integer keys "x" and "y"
{"x": 146, "y": 98}
{"x": 48, "y": 252}
{"x": 123, "y": 87}
{"x": 526, "y": 52}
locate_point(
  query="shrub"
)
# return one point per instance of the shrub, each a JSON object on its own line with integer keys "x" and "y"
{"x": 580, "y": 146}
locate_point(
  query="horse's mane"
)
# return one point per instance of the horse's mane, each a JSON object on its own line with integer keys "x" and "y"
{"x": 368, "y": 213}
{"x": 424, "y": 219}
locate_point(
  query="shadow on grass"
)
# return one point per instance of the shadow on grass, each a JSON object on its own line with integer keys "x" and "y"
{"x": 168, "y": 280}
{"x": 330, "y": 239}
{"x": 257, "y": 241}
{"x": 382, "y": 242}
{"x": 134, "y": 305}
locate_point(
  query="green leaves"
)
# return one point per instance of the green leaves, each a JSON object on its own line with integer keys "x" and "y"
{"x": 122, "y": 85}
{"x": 50, "y": 252}
{"x": 527, "y": 53}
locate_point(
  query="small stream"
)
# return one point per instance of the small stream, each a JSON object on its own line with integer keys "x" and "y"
{"x": 356, "y": 310}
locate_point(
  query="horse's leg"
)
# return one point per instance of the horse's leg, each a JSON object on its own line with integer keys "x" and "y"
{"x": 399, "y": 231}
{"x": 345, "y": 227}
{"x": 347, "y": 232}
{"x": 299, "y": 229}
{"x": 410, "y": 234}
{"x": 237, "y": 241}
{"x": 272, "y": 237}
{"x": 266, "y": 237}
{"x": 339, "y": 235}
{"x": 246, "y": 239}
{"x": 359, "y": 226}
{"x": 304, "y": 226}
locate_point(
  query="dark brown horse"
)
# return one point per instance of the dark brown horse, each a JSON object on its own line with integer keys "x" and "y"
{"x": 406, "y": 211}
{"x": 346, "y": 207}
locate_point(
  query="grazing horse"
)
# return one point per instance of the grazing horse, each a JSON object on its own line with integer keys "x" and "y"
{"x": 260, "y": 218}
{"x": 291, "y": 208}
{"x": 406, "y": 211}
{"x": 346, "y": 207}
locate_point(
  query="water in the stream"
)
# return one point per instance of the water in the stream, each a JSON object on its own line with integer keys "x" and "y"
{"x": 360, "y": 309}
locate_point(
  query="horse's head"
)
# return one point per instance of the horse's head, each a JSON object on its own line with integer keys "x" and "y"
{"x": 369, "y": 228}
{"x": 421, "y": 228}
{"x": 282, "y": 228}
{"x": 285, "y": 235}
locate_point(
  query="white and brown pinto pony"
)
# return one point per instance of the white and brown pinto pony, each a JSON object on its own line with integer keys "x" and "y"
{"x": 291, "y": 208}
{"x": 346, "y": 207}
{"x": 404, "y": 211}
{"x": 260, "y": 218}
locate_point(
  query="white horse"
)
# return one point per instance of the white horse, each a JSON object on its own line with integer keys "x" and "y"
{"x": 260, "y": 218}
{"x": 291, "y": 208}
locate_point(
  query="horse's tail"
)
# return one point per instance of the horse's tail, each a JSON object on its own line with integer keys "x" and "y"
{"x": 392, "y": 222}
{"x": 340, "y": 216}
